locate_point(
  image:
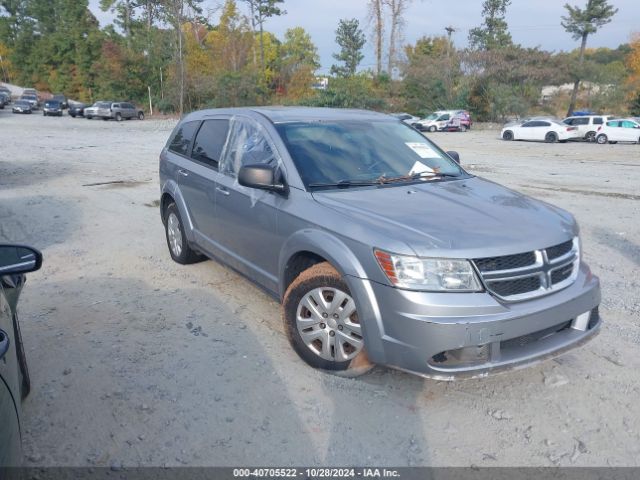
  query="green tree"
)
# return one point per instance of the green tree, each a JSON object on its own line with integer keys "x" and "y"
{"x": 580, "y": 23}
{"x": 351, "y": 40}
{"x": 299, "y": 60}
{"x": 261, "y": 11}
{"x": 494, "y": 31}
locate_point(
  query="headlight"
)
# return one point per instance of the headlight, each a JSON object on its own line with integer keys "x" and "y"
{"x": 428, "y": 274}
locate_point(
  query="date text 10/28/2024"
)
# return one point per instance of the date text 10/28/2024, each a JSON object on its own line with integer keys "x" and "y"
{"x": 315, "y": 473}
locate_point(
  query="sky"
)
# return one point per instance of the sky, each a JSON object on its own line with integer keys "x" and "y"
{"x": 532, "y": 23}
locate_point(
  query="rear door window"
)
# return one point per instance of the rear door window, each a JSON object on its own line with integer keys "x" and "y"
{"x": 182, "y": 138}
{"x": 597, "y": 120}
{"x": 209, "y": 142}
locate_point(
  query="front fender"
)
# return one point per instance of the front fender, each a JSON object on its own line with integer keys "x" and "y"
{"x": 324, "y": 244}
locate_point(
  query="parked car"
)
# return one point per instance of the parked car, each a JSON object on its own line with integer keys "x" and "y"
{"x": 620, "y": 130}
{"x": 444, "y": 119}
{"x": 98, "y": 110}
{"x": 15, "y": 261}
{"x": 379, "y": 245}
{"x": 587, "y": 125}
{"x": 22, "y": 106}
{"x": 62, "y": 99}
{"x": 124, "y": 111}
{"x": 52, "y": 107}
{"x": 550, "y": 131}
{"x": 30, "y": 91}
{"x": 6, "y": 91}
{"x": 5, "y": 99}
{"x": 32, "y": 99}
{"x": 406, "y": 118}
{"x": 76, "y": 109}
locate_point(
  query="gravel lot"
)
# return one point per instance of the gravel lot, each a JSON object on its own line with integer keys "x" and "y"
{"x": 136, "y": 360}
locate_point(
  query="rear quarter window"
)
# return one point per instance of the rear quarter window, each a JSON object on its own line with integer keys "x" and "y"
{"x": 182, "y": 138}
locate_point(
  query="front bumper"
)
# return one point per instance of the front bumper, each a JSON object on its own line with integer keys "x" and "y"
{"x": 450, "y": 335}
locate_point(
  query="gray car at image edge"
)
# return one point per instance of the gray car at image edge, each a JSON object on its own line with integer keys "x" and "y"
{"x": 380, "y": 246}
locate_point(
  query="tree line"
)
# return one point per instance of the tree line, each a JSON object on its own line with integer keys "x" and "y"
{"x": 188, "y": 61}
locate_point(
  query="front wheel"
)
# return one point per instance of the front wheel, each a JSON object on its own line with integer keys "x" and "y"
{"x": 602, "y": 139}
{"x": 432, "y": 128}
{"x": 463, "y": 128}
{"x": 140, "y": 116}
{"x": 322, "y": 322}
{"x": 508, "y": 135}
{"x": 118, "y": 117}
{"x": 551, "y": 137}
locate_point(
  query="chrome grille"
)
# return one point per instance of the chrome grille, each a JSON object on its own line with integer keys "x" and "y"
{"x": 531, "y": 274}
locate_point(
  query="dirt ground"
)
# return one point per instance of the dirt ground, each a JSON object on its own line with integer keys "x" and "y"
{"x": 136, "y": 360}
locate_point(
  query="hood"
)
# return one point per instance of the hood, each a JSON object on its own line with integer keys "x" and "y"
{"x": 470, "y": 218}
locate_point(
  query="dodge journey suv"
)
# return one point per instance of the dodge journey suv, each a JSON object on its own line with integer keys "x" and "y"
{"x": 380, "y": 246}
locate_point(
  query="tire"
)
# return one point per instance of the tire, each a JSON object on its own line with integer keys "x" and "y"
{"x": 318, "y": 310}
{"x": 508, "y": 135}
{"x": 140, "y": 116}
{"x": 463, "y": 128}
{"x": 432, "y": 128}
{"x": 551, "y": 137}
{"x": 118, "y": 117}
{"x": 177, "y": 242}
{"x": 602, "y": 139}
{"x": 72, "y": 115}
{"x": 88, "y": 117}
{"x": 590, "y": 137}
{"x": 105, "y": 118}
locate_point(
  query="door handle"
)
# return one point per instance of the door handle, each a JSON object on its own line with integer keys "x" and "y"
{"x": 223, "y": 191}
{"x": 184, "y": 173}
{"x": 4, "y": 344}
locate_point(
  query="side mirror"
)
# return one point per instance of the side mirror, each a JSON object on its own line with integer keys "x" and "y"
{"x": 17, "y": 259}
{"x": 262, "y": 177}
{"x": 455, "y": 156}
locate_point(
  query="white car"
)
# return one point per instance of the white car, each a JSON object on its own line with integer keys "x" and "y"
{"x": 550, "y": 131}
{"x": 620, "y": 130}
{"x": 436, "y": 121}
{"x": 587, "y": 124}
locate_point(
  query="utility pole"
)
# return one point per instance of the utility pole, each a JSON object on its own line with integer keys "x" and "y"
{"x": 450, "y": 31}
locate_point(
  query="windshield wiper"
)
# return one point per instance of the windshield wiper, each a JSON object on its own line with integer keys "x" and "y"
{"x": 416, "y": 176}
{"x": 346, "y": 183}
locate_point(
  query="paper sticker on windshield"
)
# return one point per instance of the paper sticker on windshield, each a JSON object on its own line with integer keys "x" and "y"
{"x": 420, "y": 167}
{"x": 422, "y": 149}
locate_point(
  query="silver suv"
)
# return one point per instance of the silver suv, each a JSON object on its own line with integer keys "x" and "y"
{"x": 381, "y": 248}
{"x": 124, "y": 111}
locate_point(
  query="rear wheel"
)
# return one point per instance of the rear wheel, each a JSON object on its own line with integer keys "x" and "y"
{"x": 432, "y": 128}
{"x": 551, "y": 137}
{"x": 463, "y": 128}
{"x": 602, "y": 139}
{"x": 89, "y": 117}
{"x": 177, "y": 242}
{"x": 118, "y": 117}
{"x": 140, "y": 116}
{"x": 590, "y": 137}
{"x": 322, "y": 322}
{"x": 508, "y": 135}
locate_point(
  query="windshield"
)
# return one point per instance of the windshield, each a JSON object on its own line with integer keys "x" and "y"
{"x": 357, "y": 151}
